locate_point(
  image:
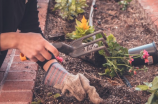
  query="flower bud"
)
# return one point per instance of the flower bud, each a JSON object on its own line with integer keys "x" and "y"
{"x": 135, "y": 72}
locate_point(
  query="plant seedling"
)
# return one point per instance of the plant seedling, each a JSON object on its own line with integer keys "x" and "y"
{"x": 124, "y": 4}
{"x": 151, "y": 87}
{"x": 70, "y": 8}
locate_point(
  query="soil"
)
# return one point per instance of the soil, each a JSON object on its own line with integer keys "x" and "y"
{"x": 131, "y": 28}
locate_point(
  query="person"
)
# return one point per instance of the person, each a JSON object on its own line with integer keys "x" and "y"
{"x": 23, "y": 15}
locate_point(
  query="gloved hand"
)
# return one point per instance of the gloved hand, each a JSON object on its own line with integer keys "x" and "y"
{"x": 71, "y": 85}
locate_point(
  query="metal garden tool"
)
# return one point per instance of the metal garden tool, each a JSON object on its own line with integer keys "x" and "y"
{"x": 77, "y": 48}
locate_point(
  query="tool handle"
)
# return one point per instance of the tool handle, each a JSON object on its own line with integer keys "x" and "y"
{"x": 23, "y": 57}
{"x": 63, "y": 48}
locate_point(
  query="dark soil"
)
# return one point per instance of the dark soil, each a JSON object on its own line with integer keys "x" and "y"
{"x": 132, "y": 28}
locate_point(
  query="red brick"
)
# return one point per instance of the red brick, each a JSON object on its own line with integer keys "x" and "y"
{"x": 43, "y": 1}
{"x": 23, "y": 66}
{"x": 4, "y": 66}
{"x": 7, "y": 58}
{"x": 17, "y": 52}
{"x": 42, "y": 14}
{"x": 10, "y": 51}
{"x": 149, "y": 2}
{"x": 25, "y": 96}
{"x": 21, "y": 75}
{"x": 14, "y": 103}
{"x": 1, "y": 76}
{"x": 6, "y": 61}
{"x": 18, "y": 85}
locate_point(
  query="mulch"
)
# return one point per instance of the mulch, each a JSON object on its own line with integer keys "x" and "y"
{"x": 131, "y": 28}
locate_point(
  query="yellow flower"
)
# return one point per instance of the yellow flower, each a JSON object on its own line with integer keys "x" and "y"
{"x": 74, "y": 33}
{"x": 84, "y": 20}
{"x": 84, "y": 24}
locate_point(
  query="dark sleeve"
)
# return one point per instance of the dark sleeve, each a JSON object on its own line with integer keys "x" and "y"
{"x": 0, "y": 16}
{"x": 0, "y": 23}
{"x": 30, "y": 21}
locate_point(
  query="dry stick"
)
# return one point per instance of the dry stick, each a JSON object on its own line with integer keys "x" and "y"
{"x": 111, "y": 81}
{"x": 92, "y": 76}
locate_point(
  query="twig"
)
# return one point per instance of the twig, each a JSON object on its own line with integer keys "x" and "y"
{"x": 92, "y": 76}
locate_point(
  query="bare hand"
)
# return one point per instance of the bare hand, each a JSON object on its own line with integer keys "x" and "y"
{"x": 35, "y": 47}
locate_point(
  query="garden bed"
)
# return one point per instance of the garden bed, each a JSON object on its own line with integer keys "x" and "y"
{"x": 131, "y": 28}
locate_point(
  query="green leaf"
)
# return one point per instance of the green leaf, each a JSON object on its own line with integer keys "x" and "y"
{"x": 129, "y": 1}
{"x": 78, "y": 23}
{"x": 57, "y": 6}
{"x": 112, "y": 74}
{"x": 150, "y": 98}
{"x": 58, "y": 1}
{"x": 155, "y": 83}
{"x": 69, "y": 8}
{"x": 101, "y": 52}
{"x": 107, "y": 71}
{"x": 102, "y": 73}
{"x": 142, "y": 88}
{"x": 107, "y": 64}
{"x": 148, "y": 84}
{"x": 99, "y": 36}
{"x": 57, "y": 95}
{"x": 111, "y": 38}
{"x": 49, "y": 93}
{"x": 79, "y": 10}
{"x": 156, "y": 94}
{"x": 38, "y": 102}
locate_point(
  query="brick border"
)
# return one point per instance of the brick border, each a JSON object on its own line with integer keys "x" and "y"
{"x": 17, "y": 78}
{"x": 150, "y": 8}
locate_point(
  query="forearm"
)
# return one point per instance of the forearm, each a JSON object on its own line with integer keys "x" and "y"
{"x": 8, "y": 40}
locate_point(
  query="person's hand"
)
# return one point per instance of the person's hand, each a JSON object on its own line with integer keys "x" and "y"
{"x": 78, "y": 86}
{"x": 71, "y": 85}
{"x": 35, "y": 47}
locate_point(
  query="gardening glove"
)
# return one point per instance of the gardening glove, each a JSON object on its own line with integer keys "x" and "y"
{"x": 71, "y": 85}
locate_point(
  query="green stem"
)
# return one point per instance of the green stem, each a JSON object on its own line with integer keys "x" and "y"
{"x": 115, "y": 68}
{"x": 137, "y": 57}
{"x": 124, "y": 57}
{"x": 132, "y": 54}
{"x": 124, "y": 65}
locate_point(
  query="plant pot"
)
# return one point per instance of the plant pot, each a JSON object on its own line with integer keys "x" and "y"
{"x": 153, "y": 54}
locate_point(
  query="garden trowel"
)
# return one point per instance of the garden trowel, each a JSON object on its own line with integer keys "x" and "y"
{"x": 77, "y": 48}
